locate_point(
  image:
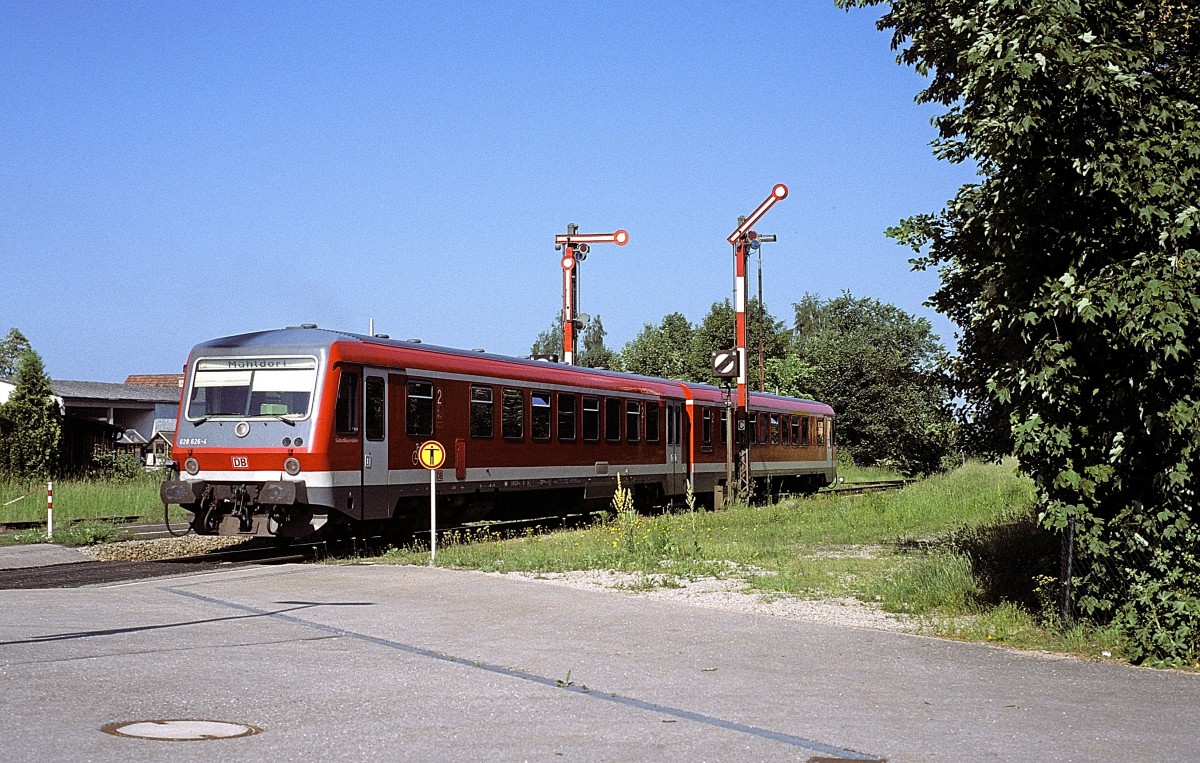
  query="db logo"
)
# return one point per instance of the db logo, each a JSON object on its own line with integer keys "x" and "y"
{"x": 241, "y": 462}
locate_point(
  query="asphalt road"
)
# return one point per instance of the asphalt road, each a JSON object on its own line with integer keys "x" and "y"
{"x": 406, "y": 663}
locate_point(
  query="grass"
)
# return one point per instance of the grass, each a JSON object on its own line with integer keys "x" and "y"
{"x": 854, "y": 473}
{"x": 80, "y": 508}
{"x": 88, "y": 533}
{"x": 784, "y": 538}
{"x": 896, "y": 550}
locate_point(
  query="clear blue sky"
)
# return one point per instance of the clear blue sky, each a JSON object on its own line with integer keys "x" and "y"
{"x": 172, "y": 172}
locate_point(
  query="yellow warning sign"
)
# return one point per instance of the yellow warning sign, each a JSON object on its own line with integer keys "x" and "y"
{"x": 431, "y": 454}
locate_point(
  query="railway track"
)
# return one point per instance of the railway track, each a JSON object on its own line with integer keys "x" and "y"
{"x": 508, "y": 528}
{"x": 859, "y": 488}
{"x": 123, "y": 521}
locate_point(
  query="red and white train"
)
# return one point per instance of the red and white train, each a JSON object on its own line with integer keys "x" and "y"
{"x": 288, "y": 431}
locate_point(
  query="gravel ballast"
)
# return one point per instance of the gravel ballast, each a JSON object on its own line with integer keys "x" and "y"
{"x": 732, "y": 594}
{"x": 162, "y": 548}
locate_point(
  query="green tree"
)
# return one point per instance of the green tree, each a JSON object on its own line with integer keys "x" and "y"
{"x": 878, "y": 366}
{"x": 793, "y": 375}
{"x": 661, "y": 350}
{"x": 12, "y": 347}
{"x": 596, "y": 354}
{"x": 1072, "y": 268}
{"x": 30, "y": 446}
{"x": 809, "y": 316}
{"x": 550, "y": 341}
{"x": 590, "y": 348}
{"x": 716, "y": 332}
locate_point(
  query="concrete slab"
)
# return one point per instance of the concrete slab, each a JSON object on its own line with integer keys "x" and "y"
{"x": 39, "y": 555}
{"x": 386, "y": 663}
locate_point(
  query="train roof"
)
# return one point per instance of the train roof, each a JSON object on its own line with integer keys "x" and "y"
{"x": 312, "y": 339}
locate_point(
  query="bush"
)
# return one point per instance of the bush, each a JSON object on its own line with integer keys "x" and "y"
{"x": 122, "y": 466}
{"x": 1161, "y": 612}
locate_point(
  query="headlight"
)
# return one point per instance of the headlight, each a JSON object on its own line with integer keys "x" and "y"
{"x": 192, "y": 466}
{"x": 291, "y": 466}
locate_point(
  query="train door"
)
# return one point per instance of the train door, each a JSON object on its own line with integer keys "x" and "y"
{"x": 676, "y": 470}
{"x": 375, "y": 502}
{"x": 829, "y": 440}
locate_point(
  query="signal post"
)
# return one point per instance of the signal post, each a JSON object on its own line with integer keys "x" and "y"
{"x": 741, "y": 239}
{"x": 432, "y": 454}
{"x": 576, "y": 246}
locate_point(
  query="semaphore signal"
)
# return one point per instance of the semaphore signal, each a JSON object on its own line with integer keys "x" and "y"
{"x": 577, "y": 246}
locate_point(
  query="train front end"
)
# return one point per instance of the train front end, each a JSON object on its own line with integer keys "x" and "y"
{"x": 248, "y": 440}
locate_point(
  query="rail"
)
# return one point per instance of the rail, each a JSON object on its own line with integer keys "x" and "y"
{"x": 7, "y": 526}
{"x": 859, "y": 488}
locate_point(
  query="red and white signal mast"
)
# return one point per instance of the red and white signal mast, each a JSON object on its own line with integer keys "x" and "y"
{"x": 741, "y": 238}
{"x": 576, "y": 245}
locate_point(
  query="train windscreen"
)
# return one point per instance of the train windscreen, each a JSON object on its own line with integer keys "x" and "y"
{"x": 252, "y": 387}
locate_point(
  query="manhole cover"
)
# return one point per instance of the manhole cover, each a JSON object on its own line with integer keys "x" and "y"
{"x": 181, "y": 730}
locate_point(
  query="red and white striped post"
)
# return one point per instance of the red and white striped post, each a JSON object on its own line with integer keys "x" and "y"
{"x": 49, "y": 510}
{"x": 740, "y": 238}
{"x": 739, "y": 299}
{"x": 570, "y": 293}
{"x": 576, "y": 246}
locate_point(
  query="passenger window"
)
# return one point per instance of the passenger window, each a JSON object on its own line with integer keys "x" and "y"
{"x": 820, "y": 432}
{"x": 633, "y": 421}
{"x": 512, "y": 413}
{"x": 652, "y": 421}
{"x": 753, "y": 426}
{"x": 724, "y": 426}
{"x": 612, "y": 419}
{"x": 796, "y": 430}
{"x": 539, "y": 415}
{"x": 376, "y": 395}
{"x": 591, "y": 419}
{"x": 483, "y": 414}
{"x": 774, "y": 428}
{"x": 804, "y": 440}
{"x": 566, "y": 417}
{"x": 346, "y": 411}
{"x": 418, "y": 410}
{"x": 706, "y": 430}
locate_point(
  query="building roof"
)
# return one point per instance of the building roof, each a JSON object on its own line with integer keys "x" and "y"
{"x": 131, "y": 437}
{"x": 156, "y": 380}
{"x": 127, "y": 393}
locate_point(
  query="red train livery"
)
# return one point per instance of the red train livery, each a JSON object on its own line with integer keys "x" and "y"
{"x": 288, "y": 431}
